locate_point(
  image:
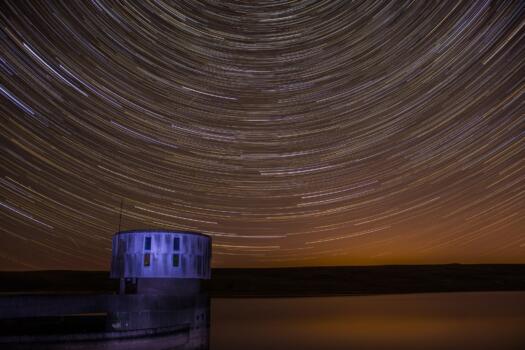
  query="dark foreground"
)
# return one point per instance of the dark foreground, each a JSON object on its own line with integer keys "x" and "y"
{"x": 308, "y": 281}
{"x": 431, "y": 321}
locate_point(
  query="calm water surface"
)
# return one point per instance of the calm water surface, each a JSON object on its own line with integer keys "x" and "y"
{"x": 411, "y": 321}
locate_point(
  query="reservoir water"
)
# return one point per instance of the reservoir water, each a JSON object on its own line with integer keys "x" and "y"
{"x": 481, "y": 320}
{"x": 410, "y": 321}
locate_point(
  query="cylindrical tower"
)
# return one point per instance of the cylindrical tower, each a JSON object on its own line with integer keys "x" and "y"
{"x": 154, "y": 258}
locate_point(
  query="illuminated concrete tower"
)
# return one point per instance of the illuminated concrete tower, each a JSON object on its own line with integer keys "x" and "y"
{"x": 160, "y": 261}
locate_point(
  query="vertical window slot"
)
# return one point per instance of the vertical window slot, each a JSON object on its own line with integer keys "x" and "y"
{"x": 175, "y": 260}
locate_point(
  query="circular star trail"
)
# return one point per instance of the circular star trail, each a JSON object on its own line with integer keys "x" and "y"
{"x": 293, "y": 132}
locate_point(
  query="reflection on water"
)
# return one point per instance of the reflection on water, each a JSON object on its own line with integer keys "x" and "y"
{"x": 413, "y": 321}
{"x": 493, "y": 320}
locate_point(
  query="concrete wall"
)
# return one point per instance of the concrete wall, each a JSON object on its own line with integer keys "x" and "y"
{"x": 27, "y": 306}
{"x": 123, "y": 316}
{"x": 168, "y": 286}
{"x": 130, "y": 253}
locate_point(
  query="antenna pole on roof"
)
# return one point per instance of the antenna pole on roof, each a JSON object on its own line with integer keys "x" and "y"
{"x": 120, "y": 218}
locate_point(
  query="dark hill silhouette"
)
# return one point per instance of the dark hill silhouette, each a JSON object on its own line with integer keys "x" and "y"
{"x": 302, "y": 281}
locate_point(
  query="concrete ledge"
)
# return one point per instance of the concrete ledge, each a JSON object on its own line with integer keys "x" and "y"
{"x": 21, "y": 339}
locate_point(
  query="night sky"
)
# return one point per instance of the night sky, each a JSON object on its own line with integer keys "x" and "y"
{"x": 293, "y": 132}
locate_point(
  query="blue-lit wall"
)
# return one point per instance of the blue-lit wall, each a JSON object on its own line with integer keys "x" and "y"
{"x": 161, "y": 254}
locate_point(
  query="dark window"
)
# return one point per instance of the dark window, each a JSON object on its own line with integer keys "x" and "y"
{"x": 147, "y": 259}
{"x": 175, "y": 261}
{"x": 147, "y": 243}
{"x": 176, "y": 244}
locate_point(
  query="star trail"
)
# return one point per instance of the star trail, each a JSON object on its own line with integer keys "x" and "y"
{"x": 292, "y": 132}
